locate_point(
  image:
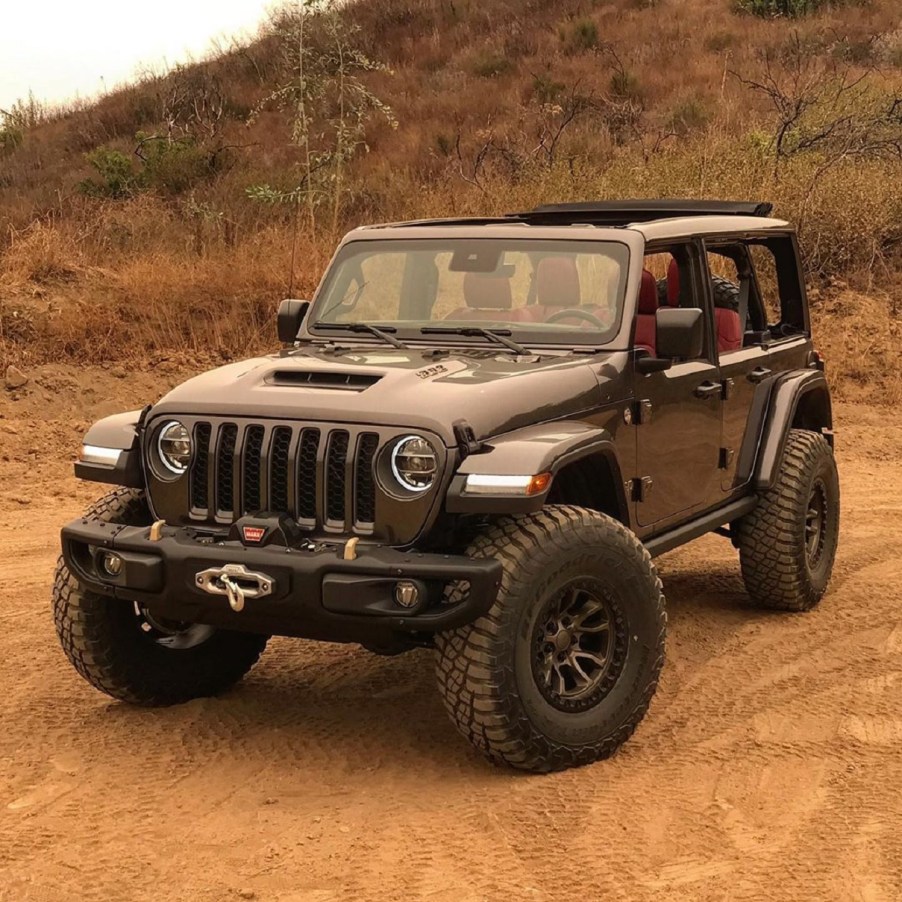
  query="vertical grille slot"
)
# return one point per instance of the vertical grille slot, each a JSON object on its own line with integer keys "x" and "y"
{"x": 201, "y": 468}
{"x": 364, "y": 482}
{"x": 335, "y": 476}
{"x": 306, "y": 475}
{"x": 253, "y": 446}
{"x": 278, "y": 469}
{"x": 225, "y": 469}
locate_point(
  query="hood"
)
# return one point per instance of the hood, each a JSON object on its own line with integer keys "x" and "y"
{"x": 420, "y": 389}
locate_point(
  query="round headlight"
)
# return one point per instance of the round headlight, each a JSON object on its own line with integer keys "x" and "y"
{"x": 174, "y": 445}
{"x": 413, "y": 463}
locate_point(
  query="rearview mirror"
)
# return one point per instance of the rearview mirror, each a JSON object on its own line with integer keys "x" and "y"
{"x": 680, "y": 332}
{"x": 291, "y": 317}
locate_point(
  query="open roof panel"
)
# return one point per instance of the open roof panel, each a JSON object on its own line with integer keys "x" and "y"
{"x": 621, "y": 212}
{"x": 603, "y": 213}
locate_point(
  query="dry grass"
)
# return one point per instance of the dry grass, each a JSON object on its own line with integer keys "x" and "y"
{"x": 202, "y": 271}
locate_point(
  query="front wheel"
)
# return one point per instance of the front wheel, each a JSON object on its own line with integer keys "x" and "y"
{"x": 562, "y": 668}
{"x": 125, "y": 651}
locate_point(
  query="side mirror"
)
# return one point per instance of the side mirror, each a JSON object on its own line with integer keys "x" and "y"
{"x": 680, "y": 332}
{"x": 291, "y": 317}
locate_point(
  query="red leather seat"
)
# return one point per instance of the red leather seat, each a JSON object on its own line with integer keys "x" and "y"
{"x": 645, "y": 318}
{"x": 558, "y": 288}
{"x": 729, "y": 333}
{"x": 487, "y": 297}
{"x": 673, "y": 284}
{"x": 729, "y": 330}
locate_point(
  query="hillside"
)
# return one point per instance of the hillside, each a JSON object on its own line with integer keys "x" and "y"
{"x": 146, "y": 223}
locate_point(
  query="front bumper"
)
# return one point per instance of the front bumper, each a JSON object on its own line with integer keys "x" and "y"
{"x": 313, "y": 592}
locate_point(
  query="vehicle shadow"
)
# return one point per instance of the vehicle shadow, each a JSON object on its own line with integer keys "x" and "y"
{"x": 321, "y": 704}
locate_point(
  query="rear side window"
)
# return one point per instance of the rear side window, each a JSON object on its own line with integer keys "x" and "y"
{"x": 779, "y": 282}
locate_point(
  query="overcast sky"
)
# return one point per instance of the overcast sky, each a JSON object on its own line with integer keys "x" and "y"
{"x": 61, "y": 49}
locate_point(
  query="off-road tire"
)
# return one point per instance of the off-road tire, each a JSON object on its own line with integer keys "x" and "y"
{"x": 485, "y": 669}
{"x": 777, "y": 566}
{"x": 102, "y": 636}
{"x": 726, "y": 293}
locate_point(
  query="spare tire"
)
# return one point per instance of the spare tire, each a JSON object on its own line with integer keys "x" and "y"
{"x": 726, "y": 293}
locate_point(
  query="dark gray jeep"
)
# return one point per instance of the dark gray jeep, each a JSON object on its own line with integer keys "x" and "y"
{"x": 477, "y": 437}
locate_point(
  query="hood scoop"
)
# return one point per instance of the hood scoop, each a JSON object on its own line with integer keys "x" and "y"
{"x": 335, "y": 381}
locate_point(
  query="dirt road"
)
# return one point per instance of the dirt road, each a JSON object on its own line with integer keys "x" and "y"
{"x": 770, "y": 765}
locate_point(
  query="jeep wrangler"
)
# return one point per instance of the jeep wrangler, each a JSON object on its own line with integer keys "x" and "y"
{"x": 476, "y": 437}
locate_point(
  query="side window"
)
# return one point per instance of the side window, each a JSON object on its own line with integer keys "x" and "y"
{"x": 780, "y": 281}
{"x": 669, "y": 279}
{"x": 737, "y": 306}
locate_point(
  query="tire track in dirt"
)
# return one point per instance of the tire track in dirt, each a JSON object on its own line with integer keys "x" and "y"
{"x": 768, "y": 765}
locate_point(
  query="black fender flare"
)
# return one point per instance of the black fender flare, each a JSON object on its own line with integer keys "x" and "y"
{"x": 798, "y": 393}
{"x": 120, "y": 432}
{"x": 543, "y": 448}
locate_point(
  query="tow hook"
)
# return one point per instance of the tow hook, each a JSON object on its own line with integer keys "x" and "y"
{"x": 236, "y": 582}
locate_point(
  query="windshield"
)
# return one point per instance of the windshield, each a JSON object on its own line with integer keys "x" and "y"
{"x": 539, "y": 291}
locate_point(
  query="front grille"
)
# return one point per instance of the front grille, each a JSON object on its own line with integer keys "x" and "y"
{"x": 324, "y": 478}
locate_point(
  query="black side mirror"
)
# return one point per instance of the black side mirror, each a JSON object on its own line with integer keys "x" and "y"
{"x": 680, "y": 332}
{"x": 291, "y": 317}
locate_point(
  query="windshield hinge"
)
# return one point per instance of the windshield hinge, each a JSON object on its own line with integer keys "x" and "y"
{"x": 466, "y": 439}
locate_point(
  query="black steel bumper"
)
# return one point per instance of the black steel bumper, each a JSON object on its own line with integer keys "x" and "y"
{"x": 313, "y": 591}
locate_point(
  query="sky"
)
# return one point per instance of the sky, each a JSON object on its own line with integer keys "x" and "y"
{"x": 63, "y": 49}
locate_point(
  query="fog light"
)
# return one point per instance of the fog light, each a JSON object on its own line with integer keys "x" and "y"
{"x": 112, "y": 564}
{"x": 406, "y": 594}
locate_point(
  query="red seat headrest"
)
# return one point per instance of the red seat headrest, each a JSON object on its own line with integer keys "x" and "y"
{"x": 487, "y": 292}
{"x": 648, "y": 294}
{"x": 673, "y": 284}
{"x": 557, "y": 282}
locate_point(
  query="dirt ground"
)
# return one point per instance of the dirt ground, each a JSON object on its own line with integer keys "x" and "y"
{"x": 769, "y": 766}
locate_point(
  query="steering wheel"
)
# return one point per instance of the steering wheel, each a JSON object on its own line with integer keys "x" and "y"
{"x": 579, "y": 314}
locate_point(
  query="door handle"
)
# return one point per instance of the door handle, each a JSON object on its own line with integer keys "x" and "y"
{"x": 759, "y": 374}
{"x": 709, "y": 390}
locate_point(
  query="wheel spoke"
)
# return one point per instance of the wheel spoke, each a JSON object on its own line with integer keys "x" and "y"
{"x": 587, "y": 612}
{"x": 560, "y": 684}
{"x": 583, "y": 678}
{"x": 599, "y": 660}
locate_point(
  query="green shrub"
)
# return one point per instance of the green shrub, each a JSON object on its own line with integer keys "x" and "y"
{"x": 625, "y": 85}
{"x": 580, "y": 37}
{"x": 491, "y": 65}
{"x": 115, "y": 171}
{"x": 11, "y": 137}
{"x": 546, "y": 89}
{"x": 690, "y": 116}
{"x": 174, "y": 166}
{"x": 720, "y": 41}
{"x": 444, "y": 144}
{"x": 790, "y": 9}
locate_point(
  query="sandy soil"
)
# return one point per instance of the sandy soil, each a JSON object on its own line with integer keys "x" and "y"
{"x": 769, "y": 766}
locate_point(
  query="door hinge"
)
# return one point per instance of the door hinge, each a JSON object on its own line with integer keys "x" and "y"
{"x": 642, "y": 414}
{"x": 640, "y": 488}
{"x": 726, "y": 458}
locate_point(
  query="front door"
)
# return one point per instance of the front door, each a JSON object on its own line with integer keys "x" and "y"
{"x": 678, "y": 440}
{"x": 679, "y": 410}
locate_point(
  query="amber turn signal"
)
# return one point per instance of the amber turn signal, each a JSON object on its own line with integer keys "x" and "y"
{"x": 538, "y": 484}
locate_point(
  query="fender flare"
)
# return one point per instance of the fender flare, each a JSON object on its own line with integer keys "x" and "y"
{"x": 120, "y": 432}
{"x": 805, "y": 389}
{"x": 544, "y": 448}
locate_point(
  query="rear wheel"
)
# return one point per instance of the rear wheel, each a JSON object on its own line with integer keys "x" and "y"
{"x": 562, "y": 668}
{"x": 125, "y": 651}
{"x": 787, "y": 544}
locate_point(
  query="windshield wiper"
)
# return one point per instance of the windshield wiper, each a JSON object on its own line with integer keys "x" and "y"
{"x": 491, "y": 334}
{"x": 364, "y": 327}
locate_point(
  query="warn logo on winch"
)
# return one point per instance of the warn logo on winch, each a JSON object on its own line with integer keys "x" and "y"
{"x": 253, "y": 534}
